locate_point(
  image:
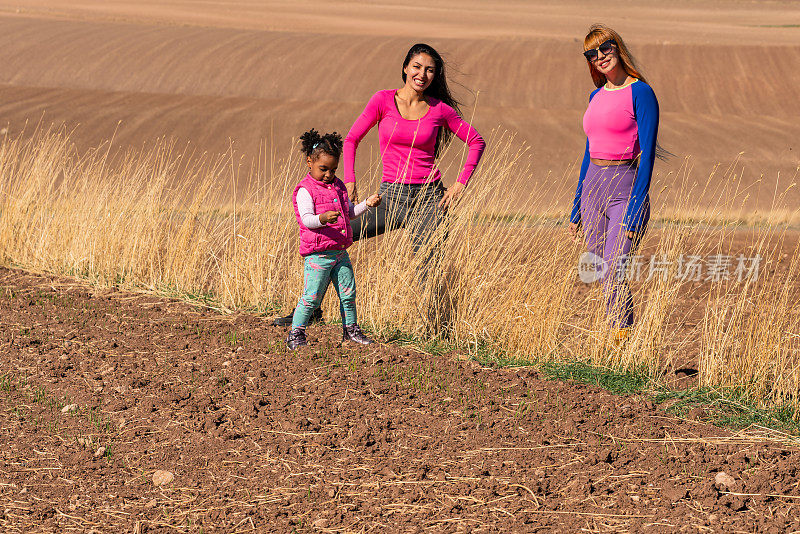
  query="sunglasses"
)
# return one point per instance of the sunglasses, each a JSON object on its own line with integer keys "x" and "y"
{"x": 606, "y": 48}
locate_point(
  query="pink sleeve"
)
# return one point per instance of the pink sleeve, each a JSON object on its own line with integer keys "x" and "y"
{"x": 368, "y": 118}
{"x": 466, "y": 133}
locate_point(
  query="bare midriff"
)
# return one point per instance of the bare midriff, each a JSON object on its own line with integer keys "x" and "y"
{"x": 609, "y": 162}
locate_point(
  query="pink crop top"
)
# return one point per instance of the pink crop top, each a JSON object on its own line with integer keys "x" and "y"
{"x": 408, "y": 146}
{"x": 610, "y": 124}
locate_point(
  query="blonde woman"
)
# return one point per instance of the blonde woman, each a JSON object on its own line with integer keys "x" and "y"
{"x": 612, "y": 201}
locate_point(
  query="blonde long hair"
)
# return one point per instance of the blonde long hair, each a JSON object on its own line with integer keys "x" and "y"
{"x": 600, "y": 33}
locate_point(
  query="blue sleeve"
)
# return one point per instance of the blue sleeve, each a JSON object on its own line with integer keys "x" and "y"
{"x": 575, "y": 216}
{"x": 645, "y": 110}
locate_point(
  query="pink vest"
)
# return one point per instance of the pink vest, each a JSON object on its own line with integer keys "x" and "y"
{"x": 333, "y": 197}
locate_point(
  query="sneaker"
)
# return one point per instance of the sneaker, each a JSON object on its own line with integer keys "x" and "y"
{"x": 296, "y": 339}
{"x": 316, "y": 317}
{"x": 354, "y": 333}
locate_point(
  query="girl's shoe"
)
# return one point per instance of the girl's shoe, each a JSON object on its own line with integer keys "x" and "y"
{"x": 354, "y": 333}
{"x": 296, "y": 339}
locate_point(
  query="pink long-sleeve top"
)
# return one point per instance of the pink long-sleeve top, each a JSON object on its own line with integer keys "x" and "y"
{"x": 408, "y": 146}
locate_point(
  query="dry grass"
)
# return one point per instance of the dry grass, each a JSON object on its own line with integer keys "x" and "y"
{"x": 166, "y": 221}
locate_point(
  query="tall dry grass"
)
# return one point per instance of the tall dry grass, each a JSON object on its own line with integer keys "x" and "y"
{"x": 162, "y": 220}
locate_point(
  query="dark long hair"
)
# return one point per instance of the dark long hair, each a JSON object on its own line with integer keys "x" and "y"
{"x": 437, "y": 89}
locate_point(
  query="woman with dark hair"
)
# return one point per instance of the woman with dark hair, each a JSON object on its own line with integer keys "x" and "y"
{"x": 612, "y": 200}
{"x": 415, "y": 124}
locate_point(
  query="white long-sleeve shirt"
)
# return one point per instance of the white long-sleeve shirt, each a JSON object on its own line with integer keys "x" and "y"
{"x": 305, "y": 206}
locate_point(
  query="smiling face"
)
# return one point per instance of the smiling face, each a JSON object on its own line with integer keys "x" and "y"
{"x": 420, "y": 72}
{"x": 323, "y": 167}
{"x": 606, "y": 62}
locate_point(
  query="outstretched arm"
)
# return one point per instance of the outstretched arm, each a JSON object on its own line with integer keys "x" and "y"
{"x": 369, "y": 117}
{"x": 476, "y": 145}
{"x": 357, "y": 210}
{"x": 470, "y": 136}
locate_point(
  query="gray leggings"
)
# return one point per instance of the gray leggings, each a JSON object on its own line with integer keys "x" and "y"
{"x": 404, "y": 205}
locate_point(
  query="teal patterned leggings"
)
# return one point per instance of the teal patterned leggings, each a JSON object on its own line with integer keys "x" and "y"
{"x": 320, "y": 269}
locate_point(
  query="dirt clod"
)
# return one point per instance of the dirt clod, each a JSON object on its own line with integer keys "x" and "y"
{"x": 724, "y": 480}
{"x": 674, "y": 493}
{"x": 162, "y": 478}
{"x": 697, "y": 413}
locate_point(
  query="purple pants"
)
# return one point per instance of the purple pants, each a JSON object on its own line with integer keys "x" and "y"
{"x": 604, "y": 200}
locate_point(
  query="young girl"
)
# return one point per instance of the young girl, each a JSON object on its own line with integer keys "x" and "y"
{"x": 612, "y": 200}
{"x": 323, "y": 211}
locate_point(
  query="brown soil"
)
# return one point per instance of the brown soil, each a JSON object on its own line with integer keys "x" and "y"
{"x": 331, "y": 438}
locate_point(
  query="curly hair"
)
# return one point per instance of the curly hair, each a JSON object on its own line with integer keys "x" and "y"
{"x": 313, "y": 144}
